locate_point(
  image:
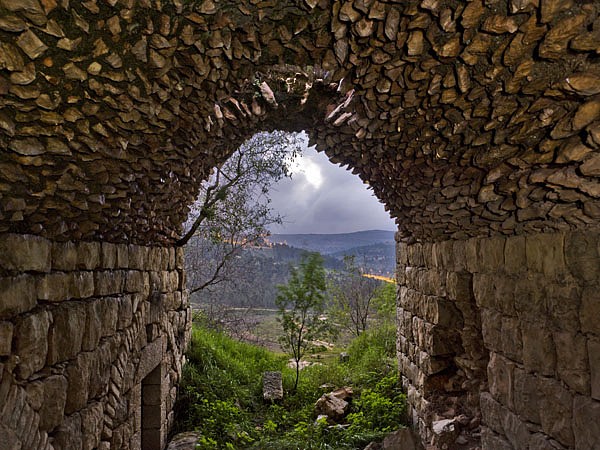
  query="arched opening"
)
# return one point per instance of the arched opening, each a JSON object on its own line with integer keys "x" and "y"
{"x": 476, "y": 122}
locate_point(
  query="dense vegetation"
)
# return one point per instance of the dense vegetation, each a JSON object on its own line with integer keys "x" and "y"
{"x": 221, "y": 394}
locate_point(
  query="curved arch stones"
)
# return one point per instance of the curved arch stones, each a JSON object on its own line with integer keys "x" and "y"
{"x": 476, "y": 123}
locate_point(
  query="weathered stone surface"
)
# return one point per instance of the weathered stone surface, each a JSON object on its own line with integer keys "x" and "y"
{"x": 184, "y": 441}
{"x": 68, "y": 434}
{"x": 53, "y": 406}
{"x": 24, "y": 253}
{"x": 556, "y": 411}
{"x": 31, "y": 44}
{"x": 539, "y": 354}
{"x": 6, "y": 335}
{"x": 586, "y": 416}
{"x": 18, "y": 295}
{"x": 31, "y": 342}
{"x": 272, "y": 386}
{"x": 593, "y": 348}
{"x": 66, "y": 332}
{"x": 331, "y": 406}
{"x": 572, "y": 361}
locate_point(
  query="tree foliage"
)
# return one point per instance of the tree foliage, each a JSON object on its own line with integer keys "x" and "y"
{"x": 301, "y": 304}
{"x": 233, "y": 209}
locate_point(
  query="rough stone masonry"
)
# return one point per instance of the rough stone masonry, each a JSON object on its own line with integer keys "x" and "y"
{"x": 477, "y": 123}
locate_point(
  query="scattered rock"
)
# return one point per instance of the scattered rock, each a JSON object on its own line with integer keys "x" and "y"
{"x": 272, "y": 386}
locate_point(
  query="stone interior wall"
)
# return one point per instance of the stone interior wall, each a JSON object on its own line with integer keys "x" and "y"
{"x": 505, "y": 331}
{"x": 81, "y": 325}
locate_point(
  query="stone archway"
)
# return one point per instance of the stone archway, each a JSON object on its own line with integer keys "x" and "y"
{"x": 477, "y": 123}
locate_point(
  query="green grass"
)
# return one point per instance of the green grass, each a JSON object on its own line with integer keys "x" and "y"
{"x": 221, "y": 395}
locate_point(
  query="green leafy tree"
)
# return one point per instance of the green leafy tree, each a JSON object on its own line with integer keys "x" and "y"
{"x": 233, "y": 212}
{"x": 301, "y": 304}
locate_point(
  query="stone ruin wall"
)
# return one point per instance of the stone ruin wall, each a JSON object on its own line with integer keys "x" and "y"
{"x": 505, "y": 331}
{"x": 477, "y": 123}
{"x": 91, "y": 336}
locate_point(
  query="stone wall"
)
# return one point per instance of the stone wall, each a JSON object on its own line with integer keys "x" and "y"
{"x": 506, "y": 332}
{"x": 84, "y": 328}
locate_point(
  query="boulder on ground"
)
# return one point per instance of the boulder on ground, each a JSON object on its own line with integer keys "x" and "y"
{"x": 334, "y": 405}
{"x": 184, "y": 441}
{"x": 272, "y": 386}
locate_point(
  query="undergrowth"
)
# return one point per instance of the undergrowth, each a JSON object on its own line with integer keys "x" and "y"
{"x": 221, "y": 395}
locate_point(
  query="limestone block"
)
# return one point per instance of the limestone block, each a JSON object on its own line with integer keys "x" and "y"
{"x": 593, "y": 348}
{"x": 491, "y": 441}
{"x": 88, "y": 255}
{"x": 511, "y": 340}
{"x": 10, "y": 440}
{"x": 589, "y": 311}
{"x": 151, "y": 357}
{"x": 586, "y": 417}
{"x": 483, "y": 291}
{"x": 415, "y": 255}
{"x": 137, "y": 256}
{"x": 471, "y": 252}
{"x": 459, "y": 286}
{"x": 66, "y": 332}
{"x": 581, "y": 254}
{"x": 530, "y": 298}
{"x": 572, "y": 361}
{"x": 110, "y": 312}
{"x": 68, "y": 436}
{"x": 31, "y": 342}
{"x": 109, "y": 255}
{"x": 53, "y": 406}
{"x": 563, "y": 303}
{"x": 78, "y": 377}
{"x": 442, "y": 312}
{"x": 81, "y": 284}
{"x": 25, "y": 253}
{"x": 6, "y": 336}
{"x": 539, "y": 354}
{"x": 515, "y": 429}
{"x": 125, "y": 314}
{"x": 439, "y": 340}
{"x": 526, "y": 395}
{"x": 515, "y": 260}
{"x": 54, "y": 287}
{"x": 17, "y": 295}
{"x": 545, "y": 254}
{"x": 556, "y": 410}
{"x": 64, "y": 256}
{"x": 179, "y": 258}
{"x": 501, "y": 379}
{"x": 491, "y": 329}
{"x": 540, "y": 441}
{"x": 458, "y": 254}
{"x": 401, "y": 253}
{"x": 491, "y": 255}
{"x": 135, "y": 281}
{"x": 100, "y": 365}
{"x": 123, "y": 256}
{"x": 108, "y": 282}
{"x": 35, "y": 394}
{"x": 93, "y": 325}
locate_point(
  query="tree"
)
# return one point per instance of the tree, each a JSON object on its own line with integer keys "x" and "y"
{"x": 352, "y": 296}
{"x": 301, "y": 303}
{"x": 233, "y": 210}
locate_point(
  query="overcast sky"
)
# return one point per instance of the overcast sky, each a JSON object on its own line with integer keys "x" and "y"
{"x": 322, "y": 197}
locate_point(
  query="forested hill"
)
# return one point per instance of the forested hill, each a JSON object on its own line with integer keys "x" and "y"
{"x": 334, "y": 243}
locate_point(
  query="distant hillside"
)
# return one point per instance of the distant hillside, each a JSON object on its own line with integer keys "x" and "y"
{"x": 334, "y": 243}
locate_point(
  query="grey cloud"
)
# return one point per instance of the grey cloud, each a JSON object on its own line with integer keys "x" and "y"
{"x": 341, "y": 204}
